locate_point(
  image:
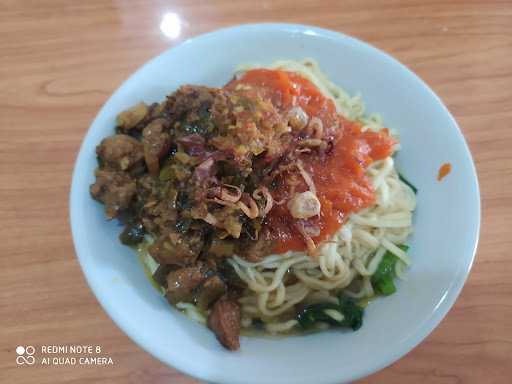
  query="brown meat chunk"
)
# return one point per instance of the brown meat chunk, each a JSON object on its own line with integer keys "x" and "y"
{"x": 120, "y": 152}
{"x": 230, "y": 277}
{"x": 254, "y": 251}
{"x": 114, "y": 189}
{"x": 147, "y": 186}
{"x": 211, "y": 290}
{"x": 228, "y": 218}
{"x": 191, "y": 106}
{"x": 128, "y": 119}
{"x": 224, "y": 321}
{"x": 176, "y": 249}
{"x": 164, "y": 216}
{"x": 183, "y": 283}
{"x": 159, "y": 212}
{"x": 221, "y": 249}
{"x": 156, "y": 143}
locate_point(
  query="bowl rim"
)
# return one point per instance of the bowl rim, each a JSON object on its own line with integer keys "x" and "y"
{"x": 440, "y": 311}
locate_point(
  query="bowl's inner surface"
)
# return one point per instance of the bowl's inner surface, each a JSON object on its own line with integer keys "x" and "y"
{"x": 442, "y": 248}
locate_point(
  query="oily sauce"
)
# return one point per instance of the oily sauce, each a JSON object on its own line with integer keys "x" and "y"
{"x": 444, "y": 170}
{"x": 339, "y": 175}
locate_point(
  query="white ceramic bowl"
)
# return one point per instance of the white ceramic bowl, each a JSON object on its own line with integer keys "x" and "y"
{"x": 442, "y": 249}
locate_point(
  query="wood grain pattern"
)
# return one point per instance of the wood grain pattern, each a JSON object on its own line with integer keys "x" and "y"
{"x": 60, "y": 60}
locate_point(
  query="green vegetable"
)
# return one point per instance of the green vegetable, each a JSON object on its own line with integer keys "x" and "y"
{"x": 183, "y": 201}
{"x": 363, "y": 303}
{"x": 383, "y": 278}
{"x": 401, "y": 177}
{"x": 133, "y": 234}
{"x": 201, "y": 126}
{"x": 403, "y": 247}
{"x": 353, "y": 313}
{"x": 182, "y": 225}
{"x": 344, "y": 314}
{"x": 315, "y": 312}
{"x": 166, "y": 173}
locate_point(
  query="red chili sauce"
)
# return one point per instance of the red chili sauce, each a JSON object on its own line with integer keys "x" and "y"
{"x": 339, "y": 175}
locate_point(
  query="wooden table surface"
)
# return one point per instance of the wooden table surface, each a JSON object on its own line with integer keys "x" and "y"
{"x": 59, "y": 62}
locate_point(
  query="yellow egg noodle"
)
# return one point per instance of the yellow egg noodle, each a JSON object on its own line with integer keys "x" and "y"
{"x": 354, "y": 252}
